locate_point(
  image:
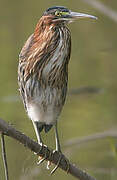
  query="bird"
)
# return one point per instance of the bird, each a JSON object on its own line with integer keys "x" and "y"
{"x": 43, "y": 69}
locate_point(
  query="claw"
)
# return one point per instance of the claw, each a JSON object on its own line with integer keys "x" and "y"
{"x": 56, "y": 167}
{"x": 68, "y": 165}
{"x": 41, "y": 159}
{"x": 49, "y": 163}
{"x": 60, "y": 158}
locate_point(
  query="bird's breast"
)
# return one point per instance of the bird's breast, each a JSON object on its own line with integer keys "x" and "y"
{"x": 57, "y": 61}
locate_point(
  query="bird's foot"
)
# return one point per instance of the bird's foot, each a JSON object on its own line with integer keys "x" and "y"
{"x": 57, "y": 165}
{"x": 61, "y": 156}
{"x": 40, "y": 158}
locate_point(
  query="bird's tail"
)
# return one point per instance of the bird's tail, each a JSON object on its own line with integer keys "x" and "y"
{"x": 41, "y": 126}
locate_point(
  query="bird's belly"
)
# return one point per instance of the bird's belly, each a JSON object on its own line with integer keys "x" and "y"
{"x": 45, "y": 106}
{"x": 37, "y": 113}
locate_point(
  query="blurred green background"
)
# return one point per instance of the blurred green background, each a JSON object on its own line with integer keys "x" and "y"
{"x": 93, "y": 64}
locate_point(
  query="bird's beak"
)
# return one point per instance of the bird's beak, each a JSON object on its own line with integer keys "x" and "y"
{"x": 75, "y": 15}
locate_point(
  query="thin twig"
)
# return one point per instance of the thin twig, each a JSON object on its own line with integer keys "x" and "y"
{"x": 103, "y": 9}
{"x": 101, "y": 135}
{"x": 85, "y": 90}
{"x": 4, "y": 156}
{"x": 44, "y": 151}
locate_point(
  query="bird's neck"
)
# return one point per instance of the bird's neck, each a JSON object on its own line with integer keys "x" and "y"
{"x": 43, "y": 29}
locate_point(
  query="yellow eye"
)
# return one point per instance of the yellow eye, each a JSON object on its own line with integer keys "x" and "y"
{"x": 58, "y": 13}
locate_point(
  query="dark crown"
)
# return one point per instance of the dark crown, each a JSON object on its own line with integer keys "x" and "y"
{"x": 53, "y": 9}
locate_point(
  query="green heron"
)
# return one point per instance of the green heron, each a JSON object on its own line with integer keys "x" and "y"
{"x": 43, "y": 69}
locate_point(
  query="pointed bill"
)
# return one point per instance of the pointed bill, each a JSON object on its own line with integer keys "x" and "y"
{"x": 75, "y": 15}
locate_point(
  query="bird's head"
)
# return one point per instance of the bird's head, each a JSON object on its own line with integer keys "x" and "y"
{"x": 62, "y": 15}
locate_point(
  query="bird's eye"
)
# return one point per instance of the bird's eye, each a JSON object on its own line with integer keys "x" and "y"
{"x": 58, "y": 13}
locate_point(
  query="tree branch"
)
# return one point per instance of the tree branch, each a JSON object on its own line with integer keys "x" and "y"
{"x": 103, "y": 9}
{"x": 44, "y": 151}
{"x": 4, "y": 157}
{"x": 101, "y": 135}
